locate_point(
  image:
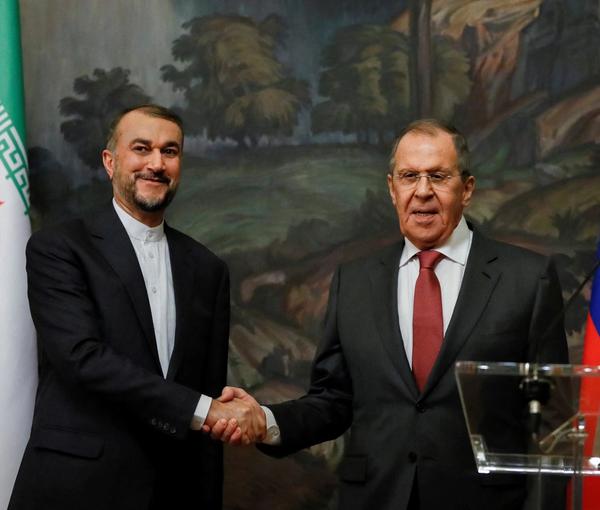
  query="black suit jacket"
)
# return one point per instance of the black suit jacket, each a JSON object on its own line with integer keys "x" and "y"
{"x": 109, "y": 432}
{"x": 361, "y": 378}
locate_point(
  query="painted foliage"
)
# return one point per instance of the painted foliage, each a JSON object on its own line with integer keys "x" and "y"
{"x": 290, "y": 111}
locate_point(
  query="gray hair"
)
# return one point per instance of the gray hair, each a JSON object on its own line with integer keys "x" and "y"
{"x": 432, "y": 127}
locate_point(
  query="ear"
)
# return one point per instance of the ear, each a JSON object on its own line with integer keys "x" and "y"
{"x": 390, "y": 183}
{"x": 468, "y": 188}
{"x": 108, "y": 160}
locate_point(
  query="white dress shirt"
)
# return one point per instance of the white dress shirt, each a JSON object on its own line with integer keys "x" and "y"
{"x": 449, "y": 271}
{"x": 152, "y": 251}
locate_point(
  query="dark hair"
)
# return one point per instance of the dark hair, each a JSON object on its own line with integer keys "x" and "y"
{"x": 432, "y": 127}
{"x": 152, "y": 110}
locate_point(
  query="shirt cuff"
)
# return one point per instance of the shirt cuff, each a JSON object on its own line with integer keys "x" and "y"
{"x": 273, "y": 436}
{"x": 201, "y": 412}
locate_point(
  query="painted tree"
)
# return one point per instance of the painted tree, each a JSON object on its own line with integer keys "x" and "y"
{"x": 103, "y": 95}
{"x": 234, "y": 84}
{"x": 420, "y": 57}
{"x": 365, "y": 79}
{"x": 450, "y": 82}
{"x": 438, "y": 69}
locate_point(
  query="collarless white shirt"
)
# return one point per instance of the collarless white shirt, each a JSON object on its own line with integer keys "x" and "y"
{"x": 152, "y": 251}
{"x": 449, "y": 271}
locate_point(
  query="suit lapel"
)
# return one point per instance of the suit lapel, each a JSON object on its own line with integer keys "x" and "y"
{"x": 114, "y": 244}
{"x": 479, "y": 281}
{"x": 383, "y": 274}
{"x": 183, "y": 272}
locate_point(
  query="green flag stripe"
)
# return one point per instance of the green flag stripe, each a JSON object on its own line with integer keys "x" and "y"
{"x": 11, "y": 71}
{"x": 13, "y": 158}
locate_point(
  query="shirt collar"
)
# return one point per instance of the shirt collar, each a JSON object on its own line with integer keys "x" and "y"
{"x": 136, "y": 229}
{"x": 456, "y": 247}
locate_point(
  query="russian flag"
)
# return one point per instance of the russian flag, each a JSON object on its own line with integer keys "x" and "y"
{"x": 590, "y": 389}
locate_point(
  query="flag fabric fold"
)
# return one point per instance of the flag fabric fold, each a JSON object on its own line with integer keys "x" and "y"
{"x": 18, "y": 363}
{"x": 591, "y": 343}
{"x": 589, "y": 401}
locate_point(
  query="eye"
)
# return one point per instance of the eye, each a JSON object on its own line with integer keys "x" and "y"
{"x": 437, "y": 177}
{"x": 171, "y": 152}
{"x": 141, "y": 149}
{"x": 409, "y": 176}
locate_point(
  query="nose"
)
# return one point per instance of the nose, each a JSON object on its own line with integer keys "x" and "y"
{"x": 155, "y": 160}
{"x": 423, "y": 188}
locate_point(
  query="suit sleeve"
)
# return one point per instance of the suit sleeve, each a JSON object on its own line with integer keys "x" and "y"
{"x": 70, "y": 336}
{"x": 215, "y": 376}
{"x": 548, "y": 342}
{"x": 325, "y": 412}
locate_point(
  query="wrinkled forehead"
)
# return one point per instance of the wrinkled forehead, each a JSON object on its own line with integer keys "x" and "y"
{"x": 425, "y": 151}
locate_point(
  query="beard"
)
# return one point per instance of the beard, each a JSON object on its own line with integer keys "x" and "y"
{"x": 152, "y": 204}
{"x": 148, "y": 202}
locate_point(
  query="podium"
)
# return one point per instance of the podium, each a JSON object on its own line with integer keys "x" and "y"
{"x": 507, "y": 437}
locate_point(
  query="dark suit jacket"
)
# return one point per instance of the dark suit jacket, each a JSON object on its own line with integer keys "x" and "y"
{"x": 361, "y": 378}
{"x": 109, "y": 432}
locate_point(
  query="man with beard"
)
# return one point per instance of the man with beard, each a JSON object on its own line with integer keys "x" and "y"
{"x": 132, "y": 321}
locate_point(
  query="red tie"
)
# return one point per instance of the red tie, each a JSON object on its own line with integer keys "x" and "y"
{"x": 428, "y": 322}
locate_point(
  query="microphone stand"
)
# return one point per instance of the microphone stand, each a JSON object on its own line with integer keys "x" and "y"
{"x": 537, "y": 390}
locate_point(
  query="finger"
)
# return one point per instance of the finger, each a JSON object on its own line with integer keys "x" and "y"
{"x": 236, "y": 437}
{"x": 236, "y": 392}
{"x": 239, "y": 393}
{"x": 227, "y": 394}
{"x": 218, "y": 429}
{"x": 205, "y": 429}
{"x": 229, "y": 430}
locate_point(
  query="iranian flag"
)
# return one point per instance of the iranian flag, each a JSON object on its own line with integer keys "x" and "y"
{"x": 18, "y": 363}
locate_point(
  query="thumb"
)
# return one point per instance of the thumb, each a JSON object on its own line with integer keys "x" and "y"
{"x": 227, "y": 394}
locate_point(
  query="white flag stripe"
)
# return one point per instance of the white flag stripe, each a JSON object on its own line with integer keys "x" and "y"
{"x": 18, "y": 361}
{"x": 3, "y": 118}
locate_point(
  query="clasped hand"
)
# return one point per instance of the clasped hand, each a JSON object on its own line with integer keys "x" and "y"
{"x": 236, "y": 418}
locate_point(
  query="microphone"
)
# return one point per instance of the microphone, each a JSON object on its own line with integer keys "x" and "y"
{"x": 536, "y": 390}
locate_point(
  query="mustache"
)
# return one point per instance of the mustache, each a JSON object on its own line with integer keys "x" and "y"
{"x": 151, "y": 176}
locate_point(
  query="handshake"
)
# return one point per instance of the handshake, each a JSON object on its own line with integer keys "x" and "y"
{"x": 236, "y": 418}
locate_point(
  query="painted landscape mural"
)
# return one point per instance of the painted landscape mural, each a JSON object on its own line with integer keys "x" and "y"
{"x": 290, "y": 111}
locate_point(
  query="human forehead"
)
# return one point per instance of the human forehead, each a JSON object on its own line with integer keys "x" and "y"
{"x": 140, "y": 126}
{"x": 424, "y": 151}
